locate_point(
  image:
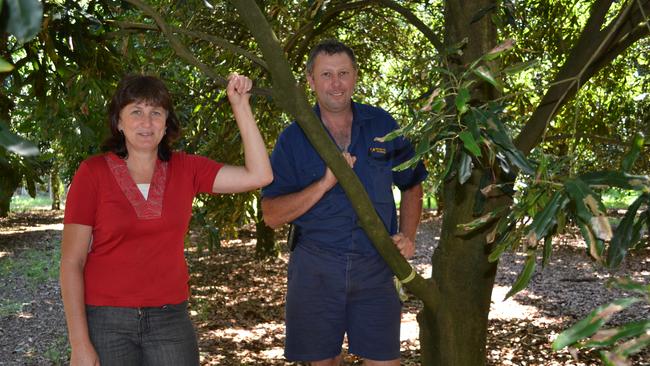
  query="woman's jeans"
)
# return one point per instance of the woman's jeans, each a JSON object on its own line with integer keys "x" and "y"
{"x": 143, "y": 336}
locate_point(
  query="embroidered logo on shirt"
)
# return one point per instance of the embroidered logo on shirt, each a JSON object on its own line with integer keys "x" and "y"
{"x": 378, "y": 150}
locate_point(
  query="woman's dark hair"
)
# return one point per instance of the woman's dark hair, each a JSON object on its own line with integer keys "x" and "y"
{"x": 152, "y": 91}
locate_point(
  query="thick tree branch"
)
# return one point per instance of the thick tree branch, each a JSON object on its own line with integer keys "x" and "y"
{"x": 183, "y": 52}
{"x": 308, "y": 31}
{"x": 432, "y": 36}
{"x": 329, "y": 15}
{"x": 195, "y": 34}
{"x": 292, "y": 98}
{"x": 590, "y": 54}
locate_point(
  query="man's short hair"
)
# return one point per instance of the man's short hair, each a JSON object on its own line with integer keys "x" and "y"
{"x": 329, "y": 47}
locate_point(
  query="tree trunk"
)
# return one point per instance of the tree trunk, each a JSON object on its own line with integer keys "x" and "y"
{"x": 55, "y": 187}
{"x": 456, "y": 333}
{"x": 266, "y": 246}
{"x": 9, "y": 182}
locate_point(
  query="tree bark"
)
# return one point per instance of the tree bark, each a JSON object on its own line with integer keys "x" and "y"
{"x": 291, "y": 97}
{"x": 265, "y": 247}
{"x": 596, "y": 48}
{"x": 456, "y": 333}
{"x": 9, "y": 180}
{"x": 55, "y": 187}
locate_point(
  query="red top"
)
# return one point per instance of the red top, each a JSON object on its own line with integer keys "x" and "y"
{"x": 136, "y": 257}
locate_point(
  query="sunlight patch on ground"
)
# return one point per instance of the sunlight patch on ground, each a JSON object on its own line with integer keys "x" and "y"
{"x": 4, "y": 254}
{"x": 23, "y": 229}
{"x": 409, "y": 329}
{"x": 248, "y": 335}
{"x": 276, "y": 353}
{"x": 509, "y": 308}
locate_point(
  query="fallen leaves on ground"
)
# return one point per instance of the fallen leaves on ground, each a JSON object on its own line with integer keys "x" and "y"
{"x": 237, "y": 302}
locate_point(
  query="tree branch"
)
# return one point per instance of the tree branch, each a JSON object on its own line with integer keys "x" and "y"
{"x": 195, "y": 34}
{"x": 416, "y": 22}
{"x": 185, "y": 53}
{"x": 592, "y": 49}
{"x": 308, "y": 32}
{"x": 292, "y": 98}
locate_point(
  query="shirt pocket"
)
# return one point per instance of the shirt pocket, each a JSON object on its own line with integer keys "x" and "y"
{"x": 381, "y": 179}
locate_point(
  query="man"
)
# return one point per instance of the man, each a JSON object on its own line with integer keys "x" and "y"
{"x": 337, "y": 282}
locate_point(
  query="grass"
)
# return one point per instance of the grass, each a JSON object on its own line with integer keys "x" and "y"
{"x": 37, "y": 266}
{"x": 617, "y": 199}
{"x": 58, "y": 353}
{"x": 9, "y": 307}
{"x": 27, "y": 203}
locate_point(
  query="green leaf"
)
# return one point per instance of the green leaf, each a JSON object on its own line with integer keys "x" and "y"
{"x": 24, "y": 18}
{"x": 505, "y": 243}
{"x": 469, "y": 143}
{"x": 630, "y": 285}
{"x": 633, "y": 154}
{"x": 616, "y": 179}
{"x": 519, "y": 67}
{"x": 518, "y": 159}
{"x": 422, "y": 147}
{"x": 624, "y": 233}
{"x": 15, "y": 143}
{"x": 391, "y": 135}
{"x": 586, "y": 201}
{"x": 589, "y": 325}
{"x": 525, "y": 275}
{"x": 548, "y": 249}
{"x": 595, "y": 246}
{"x": 608, "y": 337}
{"x": 544, "y": 220}
{"x": 443, "y": 71}
{"x": 497, "y": 133}
{"x": 485, "y": 74}
{"x": 464, "y": 167}
{"x": 633, "y": 346}
{"x": 496, "y": 51}
{"x": 407, "y": 164}
{"x": 461, "y": 100}
{"x": 5, "y": 66}
{"x": 480, "y": 222}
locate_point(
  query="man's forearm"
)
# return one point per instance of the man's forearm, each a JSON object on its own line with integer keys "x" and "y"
{"x": 279, "y": 210}
{"x": 410, "y": 211}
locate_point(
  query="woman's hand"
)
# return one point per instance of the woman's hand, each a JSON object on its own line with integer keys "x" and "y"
{"x": 238, "y": 89}
{"x": 86, "y": 356}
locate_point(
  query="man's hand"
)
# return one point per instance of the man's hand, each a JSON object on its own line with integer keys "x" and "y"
{"x": 329, "y": 179}
{"x": 405, "y": 245}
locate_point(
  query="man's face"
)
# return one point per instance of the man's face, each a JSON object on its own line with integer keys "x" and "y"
{"x": 333, "y": 79}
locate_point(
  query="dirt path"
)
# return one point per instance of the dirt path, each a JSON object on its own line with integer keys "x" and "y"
{"x": 237, "y": 301}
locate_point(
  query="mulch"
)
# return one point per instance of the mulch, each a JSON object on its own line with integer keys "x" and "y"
{"x": 237, "y": 301}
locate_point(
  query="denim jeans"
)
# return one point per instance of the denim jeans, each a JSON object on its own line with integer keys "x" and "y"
{"x": 143, "y": 336}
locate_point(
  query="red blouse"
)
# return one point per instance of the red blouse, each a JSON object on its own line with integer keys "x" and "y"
{"x": 136, "y": 257}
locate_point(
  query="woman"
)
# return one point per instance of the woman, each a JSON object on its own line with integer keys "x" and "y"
{"x": 124, "y": 279}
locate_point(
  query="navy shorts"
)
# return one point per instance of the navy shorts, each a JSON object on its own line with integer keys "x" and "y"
{"x": 330, "y": 295}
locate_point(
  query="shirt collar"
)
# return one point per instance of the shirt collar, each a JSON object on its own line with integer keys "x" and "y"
{"x": 358, "y": 116}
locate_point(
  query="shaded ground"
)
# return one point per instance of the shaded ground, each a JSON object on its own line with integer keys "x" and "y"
{"x": 237, "y": 301}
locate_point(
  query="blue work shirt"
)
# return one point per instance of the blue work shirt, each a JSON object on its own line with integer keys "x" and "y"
{"x": 331, "y": 224}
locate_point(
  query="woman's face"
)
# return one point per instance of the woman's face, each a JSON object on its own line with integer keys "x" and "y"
{"x": 143, "y": 126}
